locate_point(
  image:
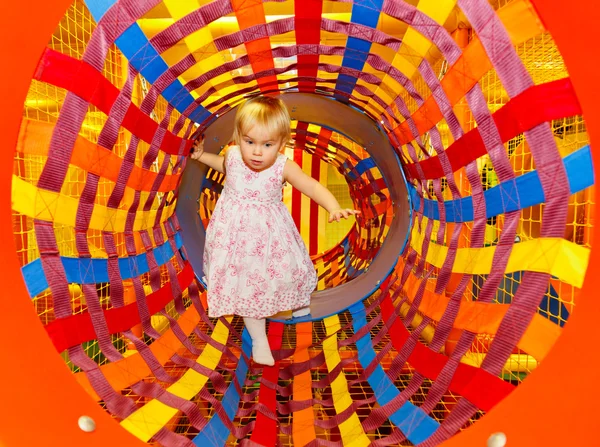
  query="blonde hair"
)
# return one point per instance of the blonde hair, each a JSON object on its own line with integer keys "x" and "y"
{"x": 264, "y": 111}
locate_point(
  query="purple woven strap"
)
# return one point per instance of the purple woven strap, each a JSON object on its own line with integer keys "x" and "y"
{"x": 375, "y": 60}
{"x": 129, "y": 239}
{"x": 218, "y": 382}
{"x": 74, "y": 109}
{"x": 187, "y": 25}
{"x": 394, "y": 439}
{"x": 57, "y": 281}
{"x": 170, "y": 230}
{"x": 117, "y": 294}
{"x": 117, "y": 404}
{"x": 107, "y": 138}
{"x": 219, "y": 411}
{"x": 167, "y": 438}
{"x": 425, "y": 26}
{"x": 156, "y": 391}
{"x": 158, "y": 180}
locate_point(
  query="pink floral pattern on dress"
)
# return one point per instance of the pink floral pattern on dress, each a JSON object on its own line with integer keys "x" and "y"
{"x": 255, "y": 262}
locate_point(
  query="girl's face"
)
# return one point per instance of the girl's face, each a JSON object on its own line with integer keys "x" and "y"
{"x": 259, "y": 148}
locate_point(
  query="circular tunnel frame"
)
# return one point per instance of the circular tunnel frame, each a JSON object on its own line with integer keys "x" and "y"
{"x": 35, "y": 381}
{"x": 355, "y": 125}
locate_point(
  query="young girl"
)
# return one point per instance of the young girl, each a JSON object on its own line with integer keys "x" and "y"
{"x": 255, "y": 261}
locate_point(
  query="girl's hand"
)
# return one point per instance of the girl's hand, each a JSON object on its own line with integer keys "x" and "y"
{"x": 338, "y": 214}
{"x": 197, "y": 149}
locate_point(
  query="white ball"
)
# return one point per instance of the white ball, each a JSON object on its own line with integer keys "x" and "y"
{"x": 497, "y": 440}
{"x": 87, "y": 424}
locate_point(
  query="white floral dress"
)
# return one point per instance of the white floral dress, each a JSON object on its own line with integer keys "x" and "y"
{"x": 255, "y": 262}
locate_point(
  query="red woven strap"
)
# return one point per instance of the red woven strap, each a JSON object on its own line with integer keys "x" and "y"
{"x": 538, "y": 104}
{"x": 307, "y": 22}
{"x": 77, "y": 329}
{"x": 82, "y": 79}
{"x": 265, "y": 432}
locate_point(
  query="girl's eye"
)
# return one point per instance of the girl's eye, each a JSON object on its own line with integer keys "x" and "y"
{"x": 248, "y": 142}
{"x": 269, "y": 144}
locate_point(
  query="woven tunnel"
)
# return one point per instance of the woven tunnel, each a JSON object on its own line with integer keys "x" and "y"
{"x": 453, "y": 126}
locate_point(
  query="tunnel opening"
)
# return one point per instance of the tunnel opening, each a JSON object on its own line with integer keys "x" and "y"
{"x": 358, "y": 264}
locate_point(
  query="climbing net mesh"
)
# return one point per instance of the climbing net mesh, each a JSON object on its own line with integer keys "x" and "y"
{"x": 480, "y": 111}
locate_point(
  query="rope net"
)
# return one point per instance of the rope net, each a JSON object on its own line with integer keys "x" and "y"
{"x": 478, "y": 105}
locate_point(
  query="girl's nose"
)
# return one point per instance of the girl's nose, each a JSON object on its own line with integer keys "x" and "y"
{"x": 257, "y": 150}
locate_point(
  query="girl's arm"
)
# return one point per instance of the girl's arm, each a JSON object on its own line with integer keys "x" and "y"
{"x": 308, "y": 186}
{"x": 214, "y": 161}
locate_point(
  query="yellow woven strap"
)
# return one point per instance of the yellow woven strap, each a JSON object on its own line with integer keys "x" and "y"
{"x": 351, "y": 429}
{"x": 55, "y": 207}
{"x": 149, "y": 419}
{"x": 414, "y": 45}
{"x": 559, "y": 257}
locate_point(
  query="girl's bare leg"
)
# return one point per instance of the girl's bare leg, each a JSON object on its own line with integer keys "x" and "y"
{"x": 261, "y": 351}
